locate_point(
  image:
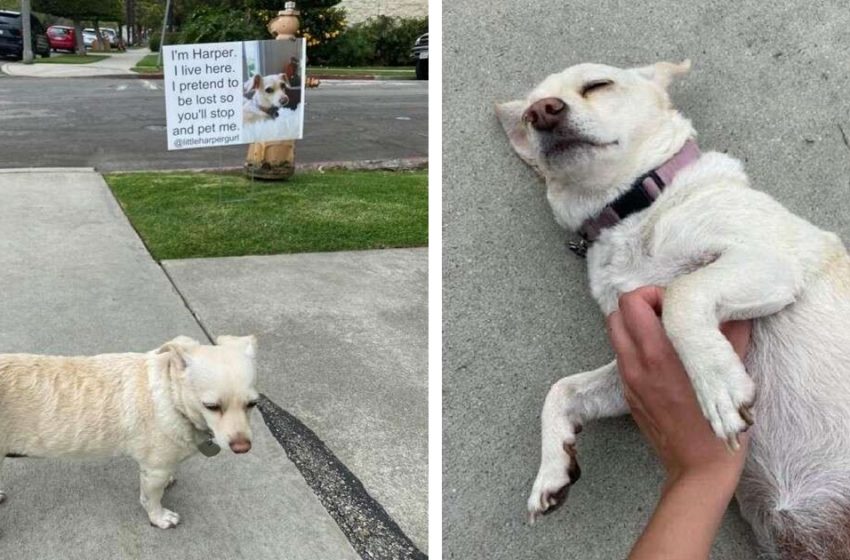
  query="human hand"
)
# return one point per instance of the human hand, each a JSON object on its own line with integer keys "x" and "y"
{"x": 660, "y": 395}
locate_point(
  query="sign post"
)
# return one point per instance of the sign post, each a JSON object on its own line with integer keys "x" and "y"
{"x": 276, "y": 160}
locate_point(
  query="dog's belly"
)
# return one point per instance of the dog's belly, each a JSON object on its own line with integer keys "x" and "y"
{"x": 799, "y": 462}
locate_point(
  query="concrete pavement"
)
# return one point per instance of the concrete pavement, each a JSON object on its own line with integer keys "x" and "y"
{"x": 117, "y": 64}
{"x": 344, "y": 346}
{"x": 769, "y": 85}
{"x": 76, "y": 279}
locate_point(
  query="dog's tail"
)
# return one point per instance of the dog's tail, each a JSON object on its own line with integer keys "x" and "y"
{"x": 800, "y": 517}
{"x": 824, "y": 535}
{"x": 821, "y": 533}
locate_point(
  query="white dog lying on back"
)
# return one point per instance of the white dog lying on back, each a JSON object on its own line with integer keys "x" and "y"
{"x": 159, "y": 408}
{"x": 621, "y": 167}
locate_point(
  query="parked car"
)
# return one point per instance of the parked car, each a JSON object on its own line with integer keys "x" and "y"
{"x": 62, "y": 38}
{"x": 420, "y": 54}
{"x": 12, "y": 40}
{"x": 112, "y": 36}
{"x": 89, "y": 36}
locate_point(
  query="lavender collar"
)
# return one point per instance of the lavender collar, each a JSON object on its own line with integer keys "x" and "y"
{"x": 642, "y": 193}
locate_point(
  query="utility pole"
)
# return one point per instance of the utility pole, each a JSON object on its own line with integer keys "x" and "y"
{"x": 26, "y": 30}
{"x": 162, "y": 37}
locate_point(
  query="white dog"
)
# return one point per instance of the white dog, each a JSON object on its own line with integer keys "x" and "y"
{"x": 622, "y": 168}
{"x": 265, "y": 97}
{"x": 159, "y": 408}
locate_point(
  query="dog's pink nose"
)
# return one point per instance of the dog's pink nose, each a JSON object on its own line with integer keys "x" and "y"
{"x": 546, "y": 113}
{"x": 240, "y": 445}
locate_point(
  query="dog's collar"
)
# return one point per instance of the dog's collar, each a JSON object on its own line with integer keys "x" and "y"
{"x": 640, "y": 195}
{"x": 203, "y": 438}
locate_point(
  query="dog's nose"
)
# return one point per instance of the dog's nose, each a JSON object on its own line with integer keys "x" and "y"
{"x": 546, "y": 113}
{"x": 240, "y": 445}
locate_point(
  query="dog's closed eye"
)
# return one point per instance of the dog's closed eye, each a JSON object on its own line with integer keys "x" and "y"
{"x": 595, "y": 85}
{"x": 251, "y": 404}
{"x": 215, "y": 407}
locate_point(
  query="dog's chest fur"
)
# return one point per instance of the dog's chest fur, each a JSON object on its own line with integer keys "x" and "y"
{"x": 708, "y": 209}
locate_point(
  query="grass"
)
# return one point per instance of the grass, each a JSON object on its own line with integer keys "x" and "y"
{"x": 71, "y": 58}
{"x": 401, "y": 72}
{"x": 148, "y": 65}
{"x": 183, "y": 215}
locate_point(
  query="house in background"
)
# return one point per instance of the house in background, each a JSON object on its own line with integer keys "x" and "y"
{"x": 359, "y": 10}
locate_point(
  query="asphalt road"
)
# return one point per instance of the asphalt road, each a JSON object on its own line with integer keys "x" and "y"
{"x": 119, "y": 124}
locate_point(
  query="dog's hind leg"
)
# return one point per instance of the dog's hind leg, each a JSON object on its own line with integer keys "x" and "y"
{"x": 571, "y": 401}
{"x": 740, "y": 284}
{"x": 153, "y": 482}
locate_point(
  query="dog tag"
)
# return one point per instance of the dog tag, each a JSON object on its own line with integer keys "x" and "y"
{"x": 578, "y": 247}
{"x": 209, "y": 448}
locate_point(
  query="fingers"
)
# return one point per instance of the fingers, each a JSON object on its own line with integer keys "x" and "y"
{"x": 621, "y": 341}
{"x": 738, "y": 334}
{"x": 641, "y": 310}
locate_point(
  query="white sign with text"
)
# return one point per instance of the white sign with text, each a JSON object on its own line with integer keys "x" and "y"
{"x": 203, "y": 94}
{"x": 217, "y": 94}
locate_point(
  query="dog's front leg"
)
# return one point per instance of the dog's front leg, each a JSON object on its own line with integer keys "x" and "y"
{"x": 571, "y": 402}
{"x": 153, "y": 483}
{"x": 740, "y": 284}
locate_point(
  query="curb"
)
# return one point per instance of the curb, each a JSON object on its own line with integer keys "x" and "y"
{"x": 47, "y": 169}
{"x": 400, "y": 164}
{"x": 160, "y": 76}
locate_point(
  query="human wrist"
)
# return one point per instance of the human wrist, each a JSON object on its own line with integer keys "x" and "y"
{"x": 721, "y": 477}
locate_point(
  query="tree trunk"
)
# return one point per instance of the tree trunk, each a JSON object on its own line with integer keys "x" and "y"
{"x": 78, "y": 36}
{"x": 26, "y": 32}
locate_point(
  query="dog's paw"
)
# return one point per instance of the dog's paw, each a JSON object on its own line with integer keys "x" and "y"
{"x": 726, "y": 396}
{"x": 165, "y": 519}
{"x": 552, "y": 485}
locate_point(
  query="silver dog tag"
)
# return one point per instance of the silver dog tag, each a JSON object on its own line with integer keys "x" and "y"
{"x": 209, "y": 448}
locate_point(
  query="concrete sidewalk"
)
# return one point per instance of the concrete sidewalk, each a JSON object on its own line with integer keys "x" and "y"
{"x": 75, "y": 279}
{"x": 344, "y": 346}
{"x": 768, "y": 84}
{"x": 118, "y": 64}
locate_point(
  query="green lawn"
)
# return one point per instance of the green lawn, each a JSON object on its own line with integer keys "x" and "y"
{"x": 148, "y": 64}
{"x": 182, "y": 215}
{"x": 401, "y": 72}
{"x": 71, "y": 58}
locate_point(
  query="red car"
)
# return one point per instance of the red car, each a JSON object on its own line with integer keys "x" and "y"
{"x": 61, "y": 38}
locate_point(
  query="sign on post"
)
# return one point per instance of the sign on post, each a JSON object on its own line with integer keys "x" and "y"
{"x": 218, "y": 94}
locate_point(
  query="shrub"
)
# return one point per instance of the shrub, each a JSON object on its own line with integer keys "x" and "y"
{"x": 213, "y": 26}
{"x": 171, "y": 38}
{"x": 380, "y": 41}
{"x": 354, "y": 47}
{"x": 321, "y": 27}
{"x": 393, "y": 37}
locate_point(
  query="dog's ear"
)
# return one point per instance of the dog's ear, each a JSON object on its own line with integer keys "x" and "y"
{"x": 662, "y": 73}
{"x": 284, "y": 80}
{"x": 257, "y": 82}
{"x": 510, "y": 115}
{"x": 248, "y": 344}
{"x": 179, "y": 348}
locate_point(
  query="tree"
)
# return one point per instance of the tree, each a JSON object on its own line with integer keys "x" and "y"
{"x": 81, "y": 10}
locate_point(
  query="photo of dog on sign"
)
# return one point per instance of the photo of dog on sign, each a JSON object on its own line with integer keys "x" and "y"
{"x": 273, "y": 90}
